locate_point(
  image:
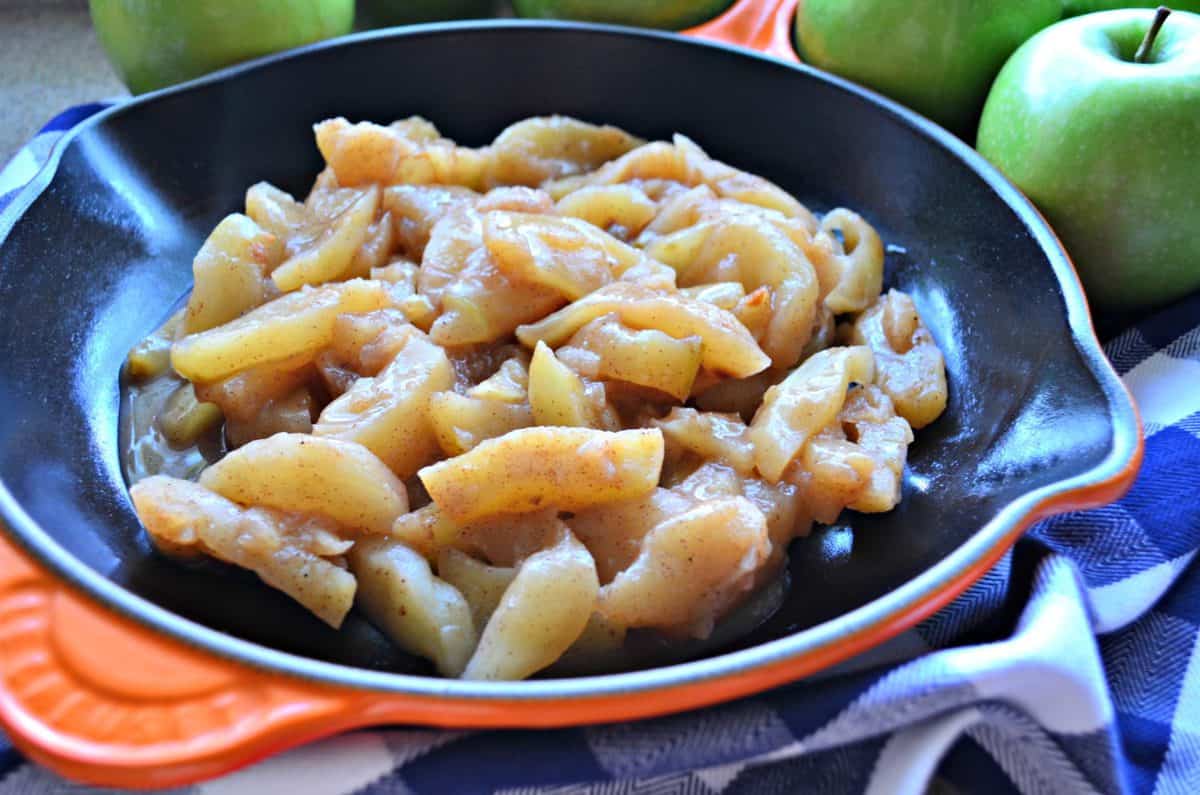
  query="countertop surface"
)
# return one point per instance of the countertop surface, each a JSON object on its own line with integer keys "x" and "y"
{"x": 49, "y": 60}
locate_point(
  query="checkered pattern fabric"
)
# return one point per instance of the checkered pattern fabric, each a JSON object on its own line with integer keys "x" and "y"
{"x": 1072, "y": 667}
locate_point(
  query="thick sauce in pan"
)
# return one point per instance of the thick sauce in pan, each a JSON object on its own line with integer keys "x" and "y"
{"x": 147, "y": 384}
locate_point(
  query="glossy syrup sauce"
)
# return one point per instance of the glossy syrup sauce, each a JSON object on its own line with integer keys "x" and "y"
{"x": 145, "y": 449}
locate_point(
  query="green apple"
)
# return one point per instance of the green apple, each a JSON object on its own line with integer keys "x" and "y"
{"x": 1076, "y": 7}
{"x": 378, "y": 13}
{"x": 936, "y": 56}
{"x": 154, "y": 43}
{"x": 667, "y": 14}
{"x": 1108, "y": 148}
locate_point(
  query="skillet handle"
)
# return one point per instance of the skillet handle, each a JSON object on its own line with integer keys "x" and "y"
{"x": 763, "y": 25}
{"x": 100, "y": 699}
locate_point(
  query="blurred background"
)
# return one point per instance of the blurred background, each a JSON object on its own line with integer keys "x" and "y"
{"x": 50, "y": 60}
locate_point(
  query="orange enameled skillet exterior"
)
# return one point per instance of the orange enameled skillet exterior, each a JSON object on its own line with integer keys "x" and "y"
{"x": 107, "y": 699}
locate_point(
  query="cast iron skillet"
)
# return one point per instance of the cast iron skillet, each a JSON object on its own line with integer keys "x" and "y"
{"x": 95, "y": 253}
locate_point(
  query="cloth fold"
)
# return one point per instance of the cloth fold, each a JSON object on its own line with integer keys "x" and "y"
{"x": 1071, "y": 667}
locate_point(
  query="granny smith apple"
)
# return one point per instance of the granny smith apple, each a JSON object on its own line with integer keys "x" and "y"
{"x": 154, "y": 43}
{"x": 1073, "y": 8}
{"x": 667, "y": 14}
{"x": 1108, "y": 148}
{"x": 377, "y": 13}
{"x": 936, "y": 56}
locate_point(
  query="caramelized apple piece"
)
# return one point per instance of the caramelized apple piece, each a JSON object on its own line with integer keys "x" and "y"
{"x": 542, "y": 612}
{"x": 332, "y": 253}
{"x": 727, "y": 346}
{"x": 342, "y": 481}
{"x": 288, "y": 551}
{"x": 712, "y": 436}
{"x": 492, "y": 408}
{"x": 404, "y": 152}
{"x": 389, "y": 414}
{"x": 620, "y": 210}
{"x": 563, "y": 254}
{"x": 229, "y": 274}
{"x": 416, "y": 209}
{"x": 646, "y": 357}
{"x": 534, "y": 468}
{"x": 614, "y": 532}
{"x": 854, "y": 275}
{"x": 692, "y": 568}
{"x": 549, "y": 147}
{"x": 481, "y": 584}
{"x": 299, "y": 324}
{"x": 803, "y": 403}
{"x": 418, "y": 611}
{"x": 909, "y": 367}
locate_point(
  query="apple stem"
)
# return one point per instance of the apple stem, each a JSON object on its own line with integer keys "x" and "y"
{"x": 1143, "y": 50}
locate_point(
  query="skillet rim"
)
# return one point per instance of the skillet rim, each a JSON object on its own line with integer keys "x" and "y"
{"x": 880, "y": 619}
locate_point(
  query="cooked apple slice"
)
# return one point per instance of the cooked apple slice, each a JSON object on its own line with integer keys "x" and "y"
{"x": 564, "y": 254}
{"x": 406, "y": 152}
{"x": 548, "y": 467}
{"x": 421, "y": 613}
{"x": 502, "y": 540}
{"x": 415, "y": 209}
{"x": 286, "y": 550}
{"x": 909, "y": 366}
{"x": 339, "y": 480}
{"x": 461, "y": 422}
{"x": 534, "y": 150}
{"x": 621, "y": 210}
{"x": 556, "y": 392}
{"x": 613, "y": 532}
{"x": 692, "y": 568}
{"x": 481, "y": 584}
{"x": 389, "y": 414}
{"x": 330, "y": 255}
{"x": 723, "y": 294}
{"x": 542, "y": 612}
{"x": 300, "y": 323}
{"x": 803, "y": 403}
{"x": 646, "y": 357}
{"x": 491, "y": 408}
{"x": 229, "y": 274}
{"x": 728, "y": 347}
{"x": 713, "y": 436}
{"x": 853, "y": 276}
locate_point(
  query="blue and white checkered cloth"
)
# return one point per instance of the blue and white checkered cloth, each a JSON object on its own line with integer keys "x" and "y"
{"x": 1072, "y": 667}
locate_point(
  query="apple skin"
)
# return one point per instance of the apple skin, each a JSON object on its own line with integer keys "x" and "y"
{"x": 154, "y": 43}
{"x": 1073, "y": 8}
{"x": 936, "y": 56}
{"x": 1108, "y": 149}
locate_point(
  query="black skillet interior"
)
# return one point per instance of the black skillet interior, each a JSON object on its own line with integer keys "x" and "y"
{"x": 98, "y": 258}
